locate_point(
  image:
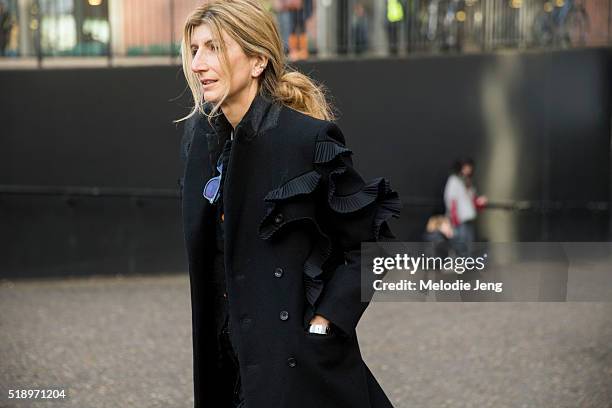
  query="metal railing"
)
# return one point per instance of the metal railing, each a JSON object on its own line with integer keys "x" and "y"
{"x": 117, "y": 32}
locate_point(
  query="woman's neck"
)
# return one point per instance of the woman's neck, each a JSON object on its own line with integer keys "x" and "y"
{"x": 235, "y": 109}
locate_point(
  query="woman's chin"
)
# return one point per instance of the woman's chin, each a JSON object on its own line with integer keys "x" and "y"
{"x": 211, "y": 97}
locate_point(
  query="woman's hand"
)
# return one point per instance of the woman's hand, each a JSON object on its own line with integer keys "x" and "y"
{"x": 318, "y": 319}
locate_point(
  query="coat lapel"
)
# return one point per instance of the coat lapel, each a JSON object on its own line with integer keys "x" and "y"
{"x": 261, "y": 116}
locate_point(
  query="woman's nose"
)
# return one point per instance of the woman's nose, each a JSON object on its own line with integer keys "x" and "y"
{"x": 198, "y": 64}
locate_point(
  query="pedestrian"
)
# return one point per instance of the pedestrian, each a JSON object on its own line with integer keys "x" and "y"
{"x": 274, "y": 213}
{"x": 439, "y": 231}
{"x": 462, "y": 205}
{"x": 6, "y": 25}
{"x": 283, "y": 17}
{"x": 300, "y": 11}
{"x": 395, "y": 17}
{"x": 359, "y": 27}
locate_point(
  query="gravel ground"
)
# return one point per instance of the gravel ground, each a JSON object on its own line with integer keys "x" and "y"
{"x": 126, "y": 342}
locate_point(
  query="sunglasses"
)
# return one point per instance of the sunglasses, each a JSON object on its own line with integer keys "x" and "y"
{"x": 212, "y": 186}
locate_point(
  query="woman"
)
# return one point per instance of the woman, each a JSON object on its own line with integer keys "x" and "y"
{"x": 274, "y": 214}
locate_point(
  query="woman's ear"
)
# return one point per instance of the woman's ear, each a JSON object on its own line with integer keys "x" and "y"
{"x": 260, "y": 65}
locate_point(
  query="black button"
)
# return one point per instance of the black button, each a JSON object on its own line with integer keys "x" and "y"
{"x": 291, "y": 362}
{"x": 284, "y": 315}
{"x": 278, "y": 219}
{"x": 278, "y": 272}
{"x": 225, "y": 295}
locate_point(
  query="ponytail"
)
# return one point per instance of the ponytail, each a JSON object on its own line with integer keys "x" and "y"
{"x": 301, "y": 93}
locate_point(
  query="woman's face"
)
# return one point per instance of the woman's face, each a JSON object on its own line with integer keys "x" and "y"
{"x": 207, "y": 65}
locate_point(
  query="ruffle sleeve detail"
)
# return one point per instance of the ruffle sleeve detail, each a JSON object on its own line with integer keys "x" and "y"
{"x": 354, "y": 211}
{"x": 334, "y": 204}
{"x": 334, "y": 163}
{"x": 390, "y": 206}
{"x": 326, "y": 150}
{"x": 289, "y": 205}
{"x": 304, "y": 184}
{"x": 296, "y": 187}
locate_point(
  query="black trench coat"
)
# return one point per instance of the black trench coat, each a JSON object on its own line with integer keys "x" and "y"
{"x": 296, "y": 212}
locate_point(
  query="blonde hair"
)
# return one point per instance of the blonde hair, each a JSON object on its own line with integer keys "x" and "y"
{"x": 255, "y": 30}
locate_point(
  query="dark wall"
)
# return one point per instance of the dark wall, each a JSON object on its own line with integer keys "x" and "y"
{"x": 89, "y": 157}
{"x": 91, "y": 127}
{"x": 537, "y": 124}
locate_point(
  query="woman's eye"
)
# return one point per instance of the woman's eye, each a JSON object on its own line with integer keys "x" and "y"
{"x": 193, "y": 52}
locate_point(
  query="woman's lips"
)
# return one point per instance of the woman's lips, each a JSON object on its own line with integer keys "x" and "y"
{"x": 208, "y": 83}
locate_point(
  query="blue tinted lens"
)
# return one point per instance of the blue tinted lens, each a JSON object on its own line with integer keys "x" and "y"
{"x": 211, "y": 189}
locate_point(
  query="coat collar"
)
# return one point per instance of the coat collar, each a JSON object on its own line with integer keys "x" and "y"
{"x": 261, "y": 115}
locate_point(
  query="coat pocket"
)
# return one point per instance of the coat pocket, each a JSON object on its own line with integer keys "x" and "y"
{"x": 324, "y": 350}
{"x": 332, "y": 369}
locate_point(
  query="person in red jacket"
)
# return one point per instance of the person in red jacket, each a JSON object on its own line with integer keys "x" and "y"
{"x": 462, "y": 205}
